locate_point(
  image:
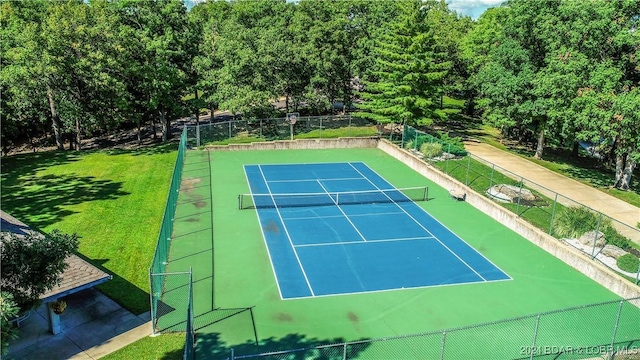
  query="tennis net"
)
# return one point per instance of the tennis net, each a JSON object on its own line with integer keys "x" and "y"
{"x": 265, "y": 201}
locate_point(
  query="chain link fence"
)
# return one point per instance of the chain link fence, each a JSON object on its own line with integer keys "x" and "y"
{"x": 313, "y": 127}
{"x": 598, "y": 331}
{"x": 603, "y": 238}
{"x": 157, "y": 270}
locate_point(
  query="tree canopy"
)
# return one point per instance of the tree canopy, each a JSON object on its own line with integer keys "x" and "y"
{"x": 557, "y": 72}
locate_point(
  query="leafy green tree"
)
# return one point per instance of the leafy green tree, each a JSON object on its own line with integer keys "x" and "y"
{"x": 8, "y": 311}
{"x": 24, "y": 82}
{"x": 157, "y": 59}
{"x": 475, "y": 48}
{"x": 33, "y": 264}
{"x": 411, "y": 69}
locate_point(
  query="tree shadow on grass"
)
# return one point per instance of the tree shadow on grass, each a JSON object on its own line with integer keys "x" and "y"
{"x": 43, "y": 200}
{"x": 40, "y": 200}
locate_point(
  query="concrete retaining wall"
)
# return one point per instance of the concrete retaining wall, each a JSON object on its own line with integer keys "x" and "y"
{"x": 573, "y": 257}
{"x": 340, "y": 143}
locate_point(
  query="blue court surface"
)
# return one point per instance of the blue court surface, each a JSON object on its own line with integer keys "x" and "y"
{"x": 340, "y": 228}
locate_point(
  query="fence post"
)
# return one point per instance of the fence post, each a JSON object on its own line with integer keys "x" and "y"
{"x": 229, "y": 130}
{"x": 468, "y": 167}
{"x": 535, "y": 338}
{"x": 349, "y": 125}
{"x": 493, "y": 168}
{"x": 321, "y": 127}
{"x": 344, "y": 351}
{"x": 198, "y": 136}
{"x": 615, "y": 330}
{"x": 519, "y": 196}
{"x": 444, "y": 337}
{"x": 553, "y": 214}
{"x": 638, "y": 274}
{"x": 153, "y": 304}
{"x": 595, "y": 238}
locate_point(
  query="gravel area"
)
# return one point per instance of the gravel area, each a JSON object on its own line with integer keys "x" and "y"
{"x": 607, "y": 260}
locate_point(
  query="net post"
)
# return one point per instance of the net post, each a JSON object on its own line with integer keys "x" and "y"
{"x": 240, "y": 202}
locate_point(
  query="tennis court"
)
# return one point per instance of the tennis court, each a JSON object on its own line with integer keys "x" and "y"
{"x": 241, "y": 302}
{"x": 340, "y": 228}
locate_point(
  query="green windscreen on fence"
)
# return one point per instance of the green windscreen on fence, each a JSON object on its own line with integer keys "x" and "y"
{"x": 160, "y": 258}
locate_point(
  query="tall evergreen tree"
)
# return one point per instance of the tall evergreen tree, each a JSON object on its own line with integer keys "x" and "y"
{"x": 410, "y": 70}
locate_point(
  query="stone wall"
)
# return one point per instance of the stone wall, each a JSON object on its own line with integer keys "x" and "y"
{"x": 573, "y": 257}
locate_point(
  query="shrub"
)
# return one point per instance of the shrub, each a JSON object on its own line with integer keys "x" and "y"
{"x": 8, "y": 310}
{"x": 408, "y": 145}
{"x": 573, "y": 221}
{"x": 453, "y": 145}
{"x": 33, "y": 264}
{"x": 431, "y": 150}
{"x": 613, "y": 237}
{"x": 628, "y": 263}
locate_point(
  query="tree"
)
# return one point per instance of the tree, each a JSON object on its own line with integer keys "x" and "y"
{"x": 8, "y": 311}
{"x": 33, "y": 264}
{"x": 410, "y": 73}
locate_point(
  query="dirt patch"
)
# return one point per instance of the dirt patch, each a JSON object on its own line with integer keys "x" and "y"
{"x": 271, "y": 226}
{"x": 189, "y": 184}
{"x": 192, "y": 220}
{"x": 353, "y": 317}
{"x": 200, "y": 204}
{"x": 282, "y": 317}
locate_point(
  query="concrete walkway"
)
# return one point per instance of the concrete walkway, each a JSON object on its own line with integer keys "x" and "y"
{"x": 619, "y": 210}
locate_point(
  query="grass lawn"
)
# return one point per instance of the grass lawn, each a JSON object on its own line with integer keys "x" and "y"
{"x": 165, "y": 347}
{"x": 113, "y": 200}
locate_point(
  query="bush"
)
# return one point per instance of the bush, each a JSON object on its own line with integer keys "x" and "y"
{"x": 613, "y": 237}
{"x": 453, "y": 145}
{"x": 628, "y": 263}
{"x": 408, "y": 145}
{"x": 431, "y": 150}
{"x": 8, "y": 310}
{"x": 573, "y": 221}
{"x": 33, "y": 264}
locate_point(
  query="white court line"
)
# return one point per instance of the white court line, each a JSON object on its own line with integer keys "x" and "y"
{"x": 425, "y": 229}
{"x": 340, "y": 216}
{"x": 287, "y": 233}
{"x": 393, "y": 289}
{"x": 368, "y": 241}
{"x": 343, "y": 213}
{"x": 313, "y": 180}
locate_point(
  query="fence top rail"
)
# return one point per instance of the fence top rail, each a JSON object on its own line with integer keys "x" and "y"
{"x": 283, "y": 119}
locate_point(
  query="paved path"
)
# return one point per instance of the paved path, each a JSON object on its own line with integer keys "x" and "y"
{"x": 572, "y": 189}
